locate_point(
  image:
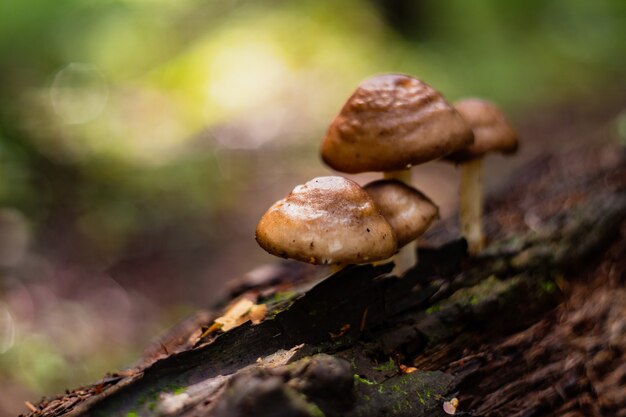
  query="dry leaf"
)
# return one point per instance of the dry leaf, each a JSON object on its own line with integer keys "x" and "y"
{"x": 31, "y": 407}
{"x": 238, "y": 313}
{"x": 235, "y": 315}
{"x": 407, "y": 369}
{"x": 342, "y": 332}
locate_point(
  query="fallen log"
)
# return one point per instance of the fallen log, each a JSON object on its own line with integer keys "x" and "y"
{"x": 535, "y": 325}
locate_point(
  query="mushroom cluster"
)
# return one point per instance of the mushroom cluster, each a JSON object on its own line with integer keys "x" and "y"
{"x": 389, "y": 124}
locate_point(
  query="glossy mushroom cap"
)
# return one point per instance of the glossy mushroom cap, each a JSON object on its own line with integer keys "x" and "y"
{"x": 328, "y": 220}
{"x": 408, "y": 211}
{"x": 390, "y": 123}
{"x": 492, "y": 132}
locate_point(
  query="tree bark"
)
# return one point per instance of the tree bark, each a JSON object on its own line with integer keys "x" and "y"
{"x": 535, "y": 325}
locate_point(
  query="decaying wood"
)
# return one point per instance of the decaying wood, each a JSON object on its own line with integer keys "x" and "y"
{"x": 536, "y": 325}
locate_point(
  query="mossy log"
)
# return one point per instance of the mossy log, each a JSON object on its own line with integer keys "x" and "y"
{"x": 535, "y": 325}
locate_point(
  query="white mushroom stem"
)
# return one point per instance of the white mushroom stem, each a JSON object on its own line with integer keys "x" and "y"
{"x": 402, "y": 176}
{"x": 406, "y": 258}
{"x": 471, "y": 205}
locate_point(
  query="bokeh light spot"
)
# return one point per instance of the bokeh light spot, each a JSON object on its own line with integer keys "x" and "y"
{"x": 79, "y": 93}
{"x": 7, "y": 329}
{"x": 245, "y": 75}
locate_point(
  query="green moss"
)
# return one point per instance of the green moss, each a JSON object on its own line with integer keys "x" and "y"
{"x": 547, "y": 286}
{"x": 280, "y": 302}
{"x": 353, "y": 363}
{"x": 315, "y": 411}
{"x": 132, "y": 414}
{"x": 410, "y": 394}
{"x": 421, "y": 398}
{"x": 148, "y": 399}
{"x": 280, "y": 296}
{"x": 151, "y": 398}
{"x": 486, "y": 289}
{"x": 389, "y": 366}
{"x": 360, "y": 380}
{"x": 174, "y": 388}
{"x": 301, "y": 402}
{"x": 433, "y": 309}
{"x": 399, "y": 385}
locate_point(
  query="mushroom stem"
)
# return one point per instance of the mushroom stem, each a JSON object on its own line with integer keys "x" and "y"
{"x": 406, "y": 257}
{"x": 402, "y": 176}
{"x": 471, "y": 205}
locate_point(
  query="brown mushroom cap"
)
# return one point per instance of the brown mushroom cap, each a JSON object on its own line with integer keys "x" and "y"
{"x": 492, "y": 132}
{"x": 408, "y": 211}
{"x": 327, "y": 220}
{"x": 390, "y": 123}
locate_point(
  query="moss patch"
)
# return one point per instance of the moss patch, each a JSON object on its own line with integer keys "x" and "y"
{"x": 389, "y": 366}
{"x": 410, "y": 394}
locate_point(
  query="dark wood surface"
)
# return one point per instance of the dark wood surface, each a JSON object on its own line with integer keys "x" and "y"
{"x": 535, "y": 325}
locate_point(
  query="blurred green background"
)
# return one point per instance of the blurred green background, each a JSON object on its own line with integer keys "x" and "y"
{"x": 140, "y": 141}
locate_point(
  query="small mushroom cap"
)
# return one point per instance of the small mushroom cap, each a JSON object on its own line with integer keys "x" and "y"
{"x": 327, "y": 220}
{"x": 492, "y": 131}
{"x": 408, "y": 211}
{"x": 390, "y": 123}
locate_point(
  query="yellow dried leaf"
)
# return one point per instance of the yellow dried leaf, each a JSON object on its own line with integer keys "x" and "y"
{"x": 235, "y": 315}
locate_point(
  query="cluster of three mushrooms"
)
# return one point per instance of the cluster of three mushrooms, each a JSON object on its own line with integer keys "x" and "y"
{"x": 390, "y": 123}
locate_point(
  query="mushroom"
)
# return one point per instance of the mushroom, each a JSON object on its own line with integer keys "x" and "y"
{"x": 408, "y": 211}
{"x": 328, "y": 220}
{"x": 390, "y": 123}
{"x": 492, "y": 133}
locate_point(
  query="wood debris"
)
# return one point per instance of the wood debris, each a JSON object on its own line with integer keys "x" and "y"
{"x": 342, "y": 331}
{"x": 450, "y": 406}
